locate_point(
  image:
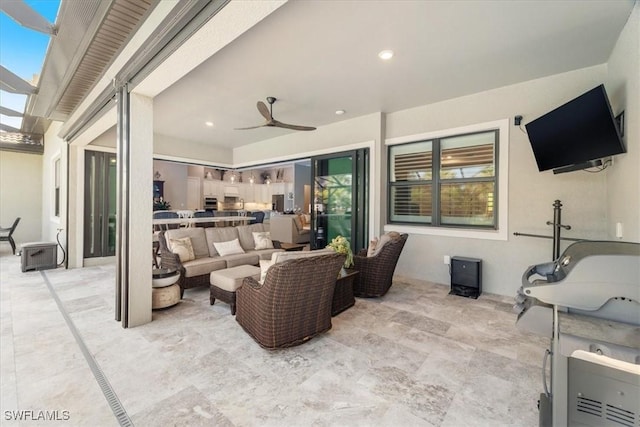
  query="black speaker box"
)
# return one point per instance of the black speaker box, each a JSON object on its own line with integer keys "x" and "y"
{"x": 466, "y": 277}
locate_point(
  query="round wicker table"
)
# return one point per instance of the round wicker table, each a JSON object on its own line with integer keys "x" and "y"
{"x": 166, "y": 292}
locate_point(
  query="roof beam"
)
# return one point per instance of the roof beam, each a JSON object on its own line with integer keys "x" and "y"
{"x": 9, "y": 112}
{"x": 10, "y": 82}
{"x": 24, "y": 15}
{"x": 8, "y": 128}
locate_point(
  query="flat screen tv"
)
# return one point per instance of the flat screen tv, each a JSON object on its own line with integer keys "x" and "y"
{"x": 576, "y": 134}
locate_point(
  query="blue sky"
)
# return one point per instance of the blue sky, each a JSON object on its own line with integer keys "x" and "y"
{"x": 22, "y": 51}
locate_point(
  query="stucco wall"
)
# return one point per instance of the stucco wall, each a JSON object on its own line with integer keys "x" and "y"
{"x": 21, "y": 195}
{"x": 623, "y": 87}
{"x": 531, "y": 193}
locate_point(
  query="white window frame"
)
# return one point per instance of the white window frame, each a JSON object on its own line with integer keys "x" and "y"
{"x": 502, "y": 231}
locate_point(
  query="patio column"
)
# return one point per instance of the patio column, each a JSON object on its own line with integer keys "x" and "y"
{"x": 134, "y": 211}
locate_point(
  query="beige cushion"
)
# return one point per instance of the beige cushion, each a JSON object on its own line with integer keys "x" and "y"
{"x": 251, "y": 258}
{"x": 198, "y": 239}
{"x": 372, "y": 246}
{"x": 183, "y": 248}
{"x": 231, "y": 247}
{"x": 264, "y": 266}
{"x": 220, "y": 234}
{"x": 231, "y": 279}
{"x": 265, "y": 253}
{"x": 286, "y": 256}
{"x": 262, "y": 240}
{"x": 297, "y": 222}
{"x": 384, "y": 239}
{"x": 245, "y": 234}
{"x": 201, "y": 266}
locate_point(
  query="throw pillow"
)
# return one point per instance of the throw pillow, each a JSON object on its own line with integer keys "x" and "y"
{"x": 262, "y": 240}
{"x": 384, "y": 239}
{"x": 393, "y": 234}
{"x": 183, "y": 248}
{"x": 228, "y": 248}
{"x": 264, "y": 266}
{"x": 372, "y": 247}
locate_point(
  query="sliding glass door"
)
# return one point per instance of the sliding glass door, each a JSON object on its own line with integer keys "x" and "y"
{"x": 340, "y": 198}
{"x": 99, "y": 204}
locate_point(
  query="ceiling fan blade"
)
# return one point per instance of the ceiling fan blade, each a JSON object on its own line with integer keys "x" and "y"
{"x": 250, "y": 127}
{"x": 264, "y": 110}
{"x": 294, "y": 127}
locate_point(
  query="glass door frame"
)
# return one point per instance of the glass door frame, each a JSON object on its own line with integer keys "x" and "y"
{"x": 96, "y": 200}
{"x": 359, "y": 237}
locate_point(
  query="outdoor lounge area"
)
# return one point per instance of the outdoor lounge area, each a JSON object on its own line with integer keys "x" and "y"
{"x": 417, "y": 356}
{"x": 175, "y": 177}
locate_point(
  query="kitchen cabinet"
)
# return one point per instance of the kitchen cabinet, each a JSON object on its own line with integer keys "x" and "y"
{"x": 277, "y": 188}
{"x": 212, "y": 187}
{"x": 251, "y": 193}
{"x": 263, "y": 193}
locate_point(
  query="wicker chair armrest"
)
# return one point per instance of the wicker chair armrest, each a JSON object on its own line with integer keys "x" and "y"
{"x": 363, "y": 260}
{"x": 167, "y": 258}
{"x": 251, "y": 282}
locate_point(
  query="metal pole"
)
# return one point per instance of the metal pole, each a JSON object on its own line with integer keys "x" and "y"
{"x": 122, "y": 207}
{"x": 557, "y": 225}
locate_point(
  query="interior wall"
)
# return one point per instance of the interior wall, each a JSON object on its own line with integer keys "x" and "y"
{"x": 302, "y": 177}
{"x": 175, "y": 180}
{"x": 21, "y": 196}
{"x": 531, "y": 193}
{"x": 168, "y": 148}
{"x": 107, "y": 139}
{"x": 623, "y": 88}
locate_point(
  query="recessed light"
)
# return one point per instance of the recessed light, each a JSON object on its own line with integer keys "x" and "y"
{"x": 340, "y": 112}
{"x": 210, "y": 124}
{"x": 385, "y": 55}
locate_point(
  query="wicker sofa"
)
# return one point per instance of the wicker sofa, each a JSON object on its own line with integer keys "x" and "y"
{"x": 196, "y": 272}
{"x": 289, "y": 228}
{"x": 293, "y": 304}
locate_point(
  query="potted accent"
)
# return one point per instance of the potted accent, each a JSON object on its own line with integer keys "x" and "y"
{"x": 342, "y": 246}
{"x": 161, "y": 205}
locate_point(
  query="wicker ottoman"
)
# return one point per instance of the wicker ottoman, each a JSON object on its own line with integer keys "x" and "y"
{"x": 224, "y": 283}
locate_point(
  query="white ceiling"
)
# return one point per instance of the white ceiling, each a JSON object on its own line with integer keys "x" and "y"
{"x": 320, "y": 56}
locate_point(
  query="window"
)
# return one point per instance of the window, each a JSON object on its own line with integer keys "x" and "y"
{"x": 56, "y": 188}
{"x": 449, "y": 181}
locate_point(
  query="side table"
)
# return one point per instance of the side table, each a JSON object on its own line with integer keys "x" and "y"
{"x": 166, "y": 292}
{"x": 289, "y": 247}
{"x": 343, "y": 294}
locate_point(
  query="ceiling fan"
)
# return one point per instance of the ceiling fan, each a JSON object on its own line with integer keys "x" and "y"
{"x": 267, "y": 113}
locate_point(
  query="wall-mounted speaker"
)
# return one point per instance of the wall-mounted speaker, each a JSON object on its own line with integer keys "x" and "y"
{"x": 466, "y": 277}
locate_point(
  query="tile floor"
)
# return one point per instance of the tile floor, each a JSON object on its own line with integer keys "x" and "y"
{"x": 416, "y": 357}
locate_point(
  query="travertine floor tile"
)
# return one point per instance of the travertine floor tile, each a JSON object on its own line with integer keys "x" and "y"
{"x": 417, "y": 356}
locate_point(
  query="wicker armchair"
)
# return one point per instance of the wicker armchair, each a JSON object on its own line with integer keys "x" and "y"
{"x": 293, "y": 304}
{"x": 376, "y": 272}
{"x": 172, "y": 261}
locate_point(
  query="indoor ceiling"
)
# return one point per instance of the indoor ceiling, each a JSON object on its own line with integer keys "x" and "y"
{"x": 317, "y": 57}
